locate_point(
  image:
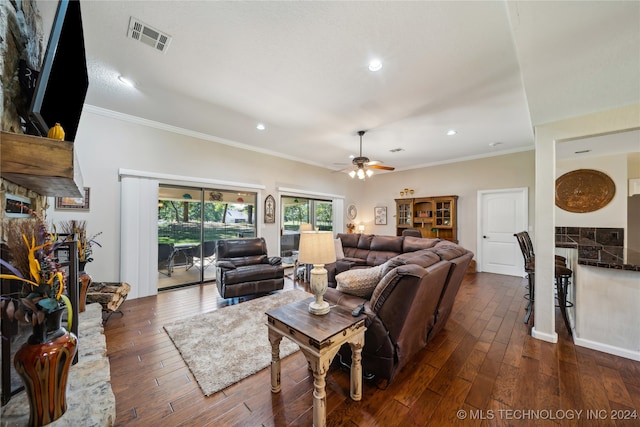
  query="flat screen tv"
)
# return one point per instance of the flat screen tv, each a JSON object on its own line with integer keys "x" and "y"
{"x": 62, "y": 82}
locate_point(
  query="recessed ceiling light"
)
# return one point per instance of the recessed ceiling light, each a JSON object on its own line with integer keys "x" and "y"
{"x": 375, "y": 65}
{"x": 260, "y": 126}
{"x": 126, "y": 81}
{"x": 451, "y": 132}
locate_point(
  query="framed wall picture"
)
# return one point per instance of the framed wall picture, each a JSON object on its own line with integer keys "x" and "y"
{"x": 74, "y": 203}
{"x": 269, "y": 210}
{"x": 380, "y": 215}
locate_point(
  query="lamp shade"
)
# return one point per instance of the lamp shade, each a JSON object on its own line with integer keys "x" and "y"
{"x": 305, "y": 226}
{"x": 316, "y": 247}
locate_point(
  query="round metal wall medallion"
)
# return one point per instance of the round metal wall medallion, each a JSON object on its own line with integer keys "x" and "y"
{"x": 584, "y": 190}
{"x": 352, "y": 212}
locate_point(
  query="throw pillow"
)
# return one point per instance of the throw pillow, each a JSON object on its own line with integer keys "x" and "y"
{"x": 360, "y": 281}
{"x": 339, "y": 250}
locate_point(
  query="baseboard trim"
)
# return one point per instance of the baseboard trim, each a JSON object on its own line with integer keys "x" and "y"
{"x": 606, "y": 348}
{"x": 552, "y": 338}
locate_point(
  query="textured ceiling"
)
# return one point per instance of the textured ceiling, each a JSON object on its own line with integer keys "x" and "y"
{"x": 489, "y": 69}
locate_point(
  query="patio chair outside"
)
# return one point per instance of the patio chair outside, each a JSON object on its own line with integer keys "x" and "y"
{"x": 165, "y": 257}
{"x": 208, "y": 255}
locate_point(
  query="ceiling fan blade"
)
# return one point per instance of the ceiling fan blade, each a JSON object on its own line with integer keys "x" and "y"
{"x": 385, "y": 168}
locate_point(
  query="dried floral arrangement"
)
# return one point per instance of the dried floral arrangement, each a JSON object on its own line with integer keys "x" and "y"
{"x": 85, "y": 244}
{"x": 32, "y": 249}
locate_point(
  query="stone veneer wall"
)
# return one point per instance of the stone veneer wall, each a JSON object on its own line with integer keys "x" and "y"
{"x": 21, "y": 37}
{"x": 90, "y": 398}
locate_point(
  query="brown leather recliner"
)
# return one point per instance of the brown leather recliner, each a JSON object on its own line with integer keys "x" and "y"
{"x": 244, "y": 268}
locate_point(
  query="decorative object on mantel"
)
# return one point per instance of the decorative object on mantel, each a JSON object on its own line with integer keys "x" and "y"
{"x": 269, "y": 210}
{"x": 43, "y": 362}
{"x": 317, "y": 248}
{"x": 56, "y": 132}
{"x": 584, "y": 190}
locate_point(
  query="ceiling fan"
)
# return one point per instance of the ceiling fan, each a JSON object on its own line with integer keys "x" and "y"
{"x": 363, "y": 165}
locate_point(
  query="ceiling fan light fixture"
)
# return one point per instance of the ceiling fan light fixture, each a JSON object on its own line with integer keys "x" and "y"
{"x": 363, "y": 166}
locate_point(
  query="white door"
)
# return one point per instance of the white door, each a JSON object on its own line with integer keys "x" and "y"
{"x": 502, "y": 213}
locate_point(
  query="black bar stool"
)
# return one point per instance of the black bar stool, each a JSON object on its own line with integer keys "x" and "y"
{"x": 563, "y": 276}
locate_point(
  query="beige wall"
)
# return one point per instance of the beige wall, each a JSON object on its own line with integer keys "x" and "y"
{"x": 615, "y": 213}
{"x": 546, "y": 137}
{"x": 464, "y": 179}
{"x": 107, "y": 143}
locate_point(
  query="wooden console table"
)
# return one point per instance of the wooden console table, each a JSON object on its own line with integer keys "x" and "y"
{"x": 319, "y": 338}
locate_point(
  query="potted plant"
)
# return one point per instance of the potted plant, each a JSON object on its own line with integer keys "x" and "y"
{"x": 43, "y": 362}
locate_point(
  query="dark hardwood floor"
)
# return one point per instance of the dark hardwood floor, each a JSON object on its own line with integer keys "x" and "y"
{"x": 483, "y": 369}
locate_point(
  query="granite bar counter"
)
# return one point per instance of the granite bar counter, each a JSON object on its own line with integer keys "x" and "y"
{"x": 599, "y": 247}
{"x": 605, "y": 289}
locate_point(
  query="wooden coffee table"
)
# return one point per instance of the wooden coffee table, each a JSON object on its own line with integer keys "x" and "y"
{"x": 319, "y": 338}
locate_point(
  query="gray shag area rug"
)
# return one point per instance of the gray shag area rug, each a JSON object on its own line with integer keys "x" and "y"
{"x": 227, "y": 345}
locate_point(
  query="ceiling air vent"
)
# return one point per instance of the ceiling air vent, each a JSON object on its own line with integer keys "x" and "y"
{"x": 148, "y": 35}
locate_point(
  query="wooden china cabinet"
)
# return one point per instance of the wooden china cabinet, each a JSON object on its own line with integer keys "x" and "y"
{"x": 435, "y": 217}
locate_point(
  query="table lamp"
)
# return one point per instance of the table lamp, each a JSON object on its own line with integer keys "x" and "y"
{"x": 317, "y": 248}
{"x": 361, "y": 228}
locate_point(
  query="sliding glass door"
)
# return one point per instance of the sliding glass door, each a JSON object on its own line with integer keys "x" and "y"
{"x": 190, "y": 221}
{"x": 297, "y": 211}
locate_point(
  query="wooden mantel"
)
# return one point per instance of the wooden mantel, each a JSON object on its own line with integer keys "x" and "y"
{"x": 46, "y": 166}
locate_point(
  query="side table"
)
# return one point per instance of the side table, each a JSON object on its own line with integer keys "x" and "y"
{"x": 319, "y": 338}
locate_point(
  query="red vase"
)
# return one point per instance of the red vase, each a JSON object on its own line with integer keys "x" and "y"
{"x": 43, "y": 363}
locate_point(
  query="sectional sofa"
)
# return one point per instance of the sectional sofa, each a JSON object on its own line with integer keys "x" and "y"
{"x": 414, "y": 282}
